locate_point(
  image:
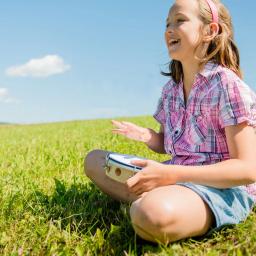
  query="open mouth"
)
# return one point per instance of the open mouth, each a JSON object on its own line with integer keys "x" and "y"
{"x": 174, "y": 41}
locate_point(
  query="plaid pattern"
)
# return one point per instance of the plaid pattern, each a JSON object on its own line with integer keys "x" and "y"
{"x": 194, "y": 132}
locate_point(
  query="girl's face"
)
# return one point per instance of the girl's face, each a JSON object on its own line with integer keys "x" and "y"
{"x": 183, "y": 30}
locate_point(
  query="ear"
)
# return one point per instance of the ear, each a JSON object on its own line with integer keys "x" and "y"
{"x": 211, "y": 31}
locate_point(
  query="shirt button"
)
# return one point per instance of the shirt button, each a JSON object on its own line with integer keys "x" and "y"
{"x": 176, "y": 132}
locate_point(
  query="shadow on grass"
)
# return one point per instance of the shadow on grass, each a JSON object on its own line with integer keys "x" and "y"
{"x": 102, "y": 223}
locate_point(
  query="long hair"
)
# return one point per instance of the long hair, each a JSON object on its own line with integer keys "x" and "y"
{"x": 221, "y": 50}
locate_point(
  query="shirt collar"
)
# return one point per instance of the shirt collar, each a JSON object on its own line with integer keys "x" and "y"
{"x": 209, "y": 69}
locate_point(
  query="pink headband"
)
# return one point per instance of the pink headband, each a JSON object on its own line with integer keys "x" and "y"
{"x": 213, "y": 10}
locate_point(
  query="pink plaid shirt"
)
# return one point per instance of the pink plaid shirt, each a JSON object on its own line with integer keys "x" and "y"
{"x": 194, "y": 134}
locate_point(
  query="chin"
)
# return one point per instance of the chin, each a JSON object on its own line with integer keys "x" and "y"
{"x": 174, "y": 57}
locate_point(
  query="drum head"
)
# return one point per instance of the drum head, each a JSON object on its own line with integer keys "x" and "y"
{"x": 123, "y": 160}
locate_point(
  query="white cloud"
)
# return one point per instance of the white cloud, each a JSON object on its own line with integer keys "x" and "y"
{"x": 43, "y": 67}
{"x": 5, "y": 97}
{"x": 3, "y": 93}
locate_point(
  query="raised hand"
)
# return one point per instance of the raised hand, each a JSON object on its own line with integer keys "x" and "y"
{"x": 131, "y": 131}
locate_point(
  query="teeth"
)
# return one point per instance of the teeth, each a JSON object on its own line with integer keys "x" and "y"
{"x": 174, "y": 41}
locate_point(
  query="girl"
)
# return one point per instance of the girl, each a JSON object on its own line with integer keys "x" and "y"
{"x": 207, "y": 116}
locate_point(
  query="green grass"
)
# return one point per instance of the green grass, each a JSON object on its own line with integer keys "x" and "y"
{"x": 49, "y": 207}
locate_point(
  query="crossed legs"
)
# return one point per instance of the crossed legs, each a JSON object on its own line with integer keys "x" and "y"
{"x": 164, "y": 214}
{"x": 170, "y": 213}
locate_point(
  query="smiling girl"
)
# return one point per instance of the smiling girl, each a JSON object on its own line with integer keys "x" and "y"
{"x": 207, "y": 116}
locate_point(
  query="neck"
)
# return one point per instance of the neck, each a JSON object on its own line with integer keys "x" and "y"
{"x": 190, "y": 69}
{"x": 191, "y": 66}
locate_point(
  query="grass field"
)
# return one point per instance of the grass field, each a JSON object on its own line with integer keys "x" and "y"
{"x": 48, "y": 206}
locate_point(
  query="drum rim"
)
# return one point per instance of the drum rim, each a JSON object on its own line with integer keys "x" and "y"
{"x": 122, "y": 165}
{"x": 131, "y": 167}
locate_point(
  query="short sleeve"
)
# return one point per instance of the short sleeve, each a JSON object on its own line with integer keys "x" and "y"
{"x": 237, "y": 104}
{"x": 159, "y": 114}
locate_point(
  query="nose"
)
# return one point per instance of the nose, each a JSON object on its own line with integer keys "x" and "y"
{"x": 169, "y": 28}
{"x": 169, "y": 31}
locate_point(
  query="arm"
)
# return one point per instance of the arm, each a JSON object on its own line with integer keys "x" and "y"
{"x": 156, "y": 140}
{"x": 240, "y": 169}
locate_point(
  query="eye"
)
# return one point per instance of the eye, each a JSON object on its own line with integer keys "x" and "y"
{"x": 180, "y": 20}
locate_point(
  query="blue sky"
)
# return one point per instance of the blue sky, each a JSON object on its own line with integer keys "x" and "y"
{"x": 100, "y": 59}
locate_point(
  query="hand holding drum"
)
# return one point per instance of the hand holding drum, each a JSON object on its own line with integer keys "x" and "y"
{"x": 118, "y": 166}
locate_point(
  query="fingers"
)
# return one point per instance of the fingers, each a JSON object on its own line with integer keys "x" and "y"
{"x": 128, "y": 129}
{"x": 123, "y": 124}
{"x": 120, "y": 132}
{"x": 141, "y": 163}
{"x": 118, "y": 124}
{"x": 133, "y": 183}
{"x": 120, "y": 128}
{"x": 136, "y": 186}
{"x": 128, "y": 124}
{"x": 123, "y": 128}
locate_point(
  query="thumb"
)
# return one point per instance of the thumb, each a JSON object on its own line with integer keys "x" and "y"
{"x": 141, "y": 163}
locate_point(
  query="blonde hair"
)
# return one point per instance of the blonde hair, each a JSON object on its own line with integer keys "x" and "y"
{"x": 221, "y": 50}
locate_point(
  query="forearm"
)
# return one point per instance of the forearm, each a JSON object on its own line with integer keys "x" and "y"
{"x": 155, "y": 141}
{"x": 225, "y": 174}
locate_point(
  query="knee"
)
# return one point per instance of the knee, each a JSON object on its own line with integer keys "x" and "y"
{"x": 152, "y": 216}
{"x": 90, "y": 161}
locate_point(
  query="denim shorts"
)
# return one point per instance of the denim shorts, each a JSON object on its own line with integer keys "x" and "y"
{"x": 229, "y": 206}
